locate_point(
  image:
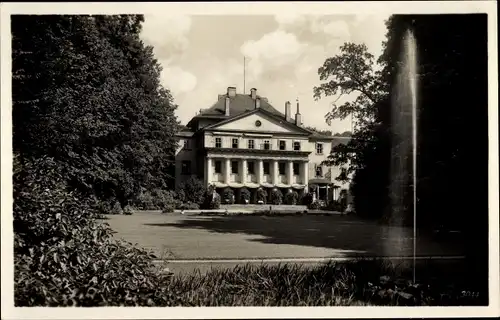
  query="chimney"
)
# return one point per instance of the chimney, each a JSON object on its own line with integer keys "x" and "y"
{"x": 298, "y": 116}
{"x": 231, "y": 92}
{"x": 257, "y": 103}
{"x": 226, "y": 109}
{"x": 288, "y": 111}
{"x": 253, "y": 93}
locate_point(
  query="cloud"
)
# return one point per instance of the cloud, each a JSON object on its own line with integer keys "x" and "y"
{"x": 167, "y": 34}
{"x": 272, "y": 51}
{"x": 289, "y": 18}
{"x": 313, "y": 25}
{"x": 338, "y": 29}
{"x": 177, "y": 80}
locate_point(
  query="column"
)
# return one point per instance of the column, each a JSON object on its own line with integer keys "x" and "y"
{"x": 275, "y": 171}
{"x": 305, "y": 174}
{"x": 290, "y": 172}
{"x": 209, "y": 171}
{"x": 227, "y": 171}
{"x": 243, "y": 171}
{"x": 260, "y": 171}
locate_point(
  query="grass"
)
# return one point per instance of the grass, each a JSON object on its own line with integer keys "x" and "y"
{"x": 356, "y": 283}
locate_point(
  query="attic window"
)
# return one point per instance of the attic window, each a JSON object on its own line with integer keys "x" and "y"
{"x": 258, "y": 123}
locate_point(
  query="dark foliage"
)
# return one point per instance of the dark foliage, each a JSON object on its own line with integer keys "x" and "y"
{"x": 92, "y": 128}
{"x": 276, "y": 197}
{"x": 86, "y": 92}
{"x": 228, "y": 196}
{"x": 291, "y": 198}
{"x": 192, "y": 190}
{"x": 63, "y": 255}
{"x": 261, "y": 195}
{"x": 155, "y": 199}
{"x": 453, "y": 76}
{"x": 307, "y": 199}
{"x": 244, "y": 195}
{"x": 315, "y": 205}
{"x": 212, "y": 199}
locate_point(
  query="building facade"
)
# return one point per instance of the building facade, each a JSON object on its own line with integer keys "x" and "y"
{"x": 244, "y": 142}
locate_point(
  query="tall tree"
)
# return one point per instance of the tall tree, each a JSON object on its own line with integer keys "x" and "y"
{"x": 86, "y": 91}
{"x": 452, "y": 170}
{"x": 354, "y": 71}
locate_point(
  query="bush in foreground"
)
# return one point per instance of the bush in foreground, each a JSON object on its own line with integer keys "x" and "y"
{"x": 63, "y": 256}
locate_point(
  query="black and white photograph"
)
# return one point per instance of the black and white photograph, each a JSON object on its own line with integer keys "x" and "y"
{"x": 256, "y": 154}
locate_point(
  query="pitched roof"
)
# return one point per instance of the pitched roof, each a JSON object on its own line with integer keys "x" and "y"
{"x": 238, "y": 105}
{"x": 281, "y": 119}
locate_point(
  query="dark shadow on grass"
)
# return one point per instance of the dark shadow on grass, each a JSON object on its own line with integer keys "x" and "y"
{"x": 344, "y": 233}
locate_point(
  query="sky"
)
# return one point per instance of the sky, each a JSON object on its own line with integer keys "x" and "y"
{"x": 202, "y": 55}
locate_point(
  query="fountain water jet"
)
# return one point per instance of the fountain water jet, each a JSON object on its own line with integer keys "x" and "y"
{"x": 404, "y": 143}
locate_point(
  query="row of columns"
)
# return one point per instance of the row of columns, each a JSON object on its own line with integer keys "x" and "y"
{"x": 243, "y": 165}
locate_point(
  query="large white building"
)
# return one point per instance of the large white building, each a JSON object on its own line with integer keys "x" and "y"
{"x": 243, "y": 141}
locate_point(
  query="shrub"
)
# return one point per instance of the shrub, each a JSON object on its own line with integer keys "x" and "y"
{"x": 117, "y": 208}
{"x": 168, "y": 208}
{"x": 63, "y": 256}
{"x": 212, "y": 199}
{"x": 291, "y": 197}
{"x": 244, "y": 195}
{"x": 194, "y": 190}
{"x": 215, "y": 204}
{"x": 228, "y": 195}
{"x": 334, "y": 205}
{"x": 316, "y": 205}
{"x": 180, "y": 196}
{"x": 190, "y": 206}
{"x": 276, "y": 196}
{"x": 307, "y": 199}
{"x": 155, "y": 199}
{"x": 261, "y": 195}
{"x": 128, "y": 210}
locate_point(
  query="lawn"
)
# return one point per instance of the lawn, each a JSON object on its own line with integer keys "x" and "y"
{"x": 254, "y": 237}
{"x": 377, "y": 282}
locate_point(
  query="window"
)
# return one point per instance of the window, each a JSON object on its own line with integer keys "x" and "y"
{"x": 319, "y": 148}
{"x": 296, "y": 169}
{"x": 235, "y": 143}
{"x": 234, "y": 167}
{"x": 251, "y": 144}
{"x": 296, "y": 145}
{"x": 266, "y": 167}
{"x": 186, "y": 144}
{"x": 267, "y": 145}
{"x": 282, "y": 144}
{"x": 186, "y": 167}
{"x": 218, "y": 142}
{"x": 251, "y": 168}
{"x": 218, "y": 166}
{"x": 319, "y": 171}
{"x": 281, "y": 168}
